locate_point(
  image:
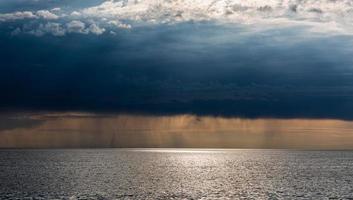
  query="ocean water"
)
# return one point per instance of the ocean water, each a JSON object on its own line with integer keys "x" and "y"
{"x": 175, "y": 174}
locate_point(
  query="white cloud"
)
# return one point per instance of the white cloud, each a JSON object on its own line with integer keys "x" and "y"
{"x": 93, "y": 28}
{"x": 119, "y": 24}
{"x": 76, "y": 26}
{"x": 75, "y": 13}
{"x": 309, "y": 12}
{"x": 125, "y": 26}
{"x": 45, "y": 14}
{"x": 56, "y": 9}
{"x": 321, "y": 15}
{"x": 17, "y": 16}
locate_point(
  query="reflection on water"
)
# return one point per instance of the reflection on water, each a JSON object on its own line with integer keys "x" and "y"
{"x": 183, "y": 150}
{"x": 176, "y": 174}
{"x": 188, "y": 131}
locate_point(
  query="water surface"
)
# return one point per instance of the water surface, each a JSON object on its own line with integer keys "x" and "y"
{"x": 175, "y": 174}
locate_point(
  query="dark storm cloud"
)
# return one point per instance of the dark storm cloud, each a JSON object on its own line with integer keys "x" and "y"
{"x": 203, "y": 69}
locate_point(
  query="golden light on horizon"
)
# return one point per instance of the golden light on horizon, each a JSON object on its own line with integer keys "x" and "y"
{"x": 85, "y": 130}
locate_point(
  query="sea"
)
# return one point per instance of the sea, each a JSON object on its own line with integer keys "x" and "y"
{"x": 175, "y": 174}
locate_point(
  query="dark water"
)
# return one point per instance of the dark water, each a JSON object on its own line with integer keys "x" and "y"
{"x": 175, "y": 174}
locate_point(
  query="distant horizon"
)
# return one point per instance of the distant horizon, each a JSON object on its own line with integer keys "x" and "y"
{"x": 88, "y": 130}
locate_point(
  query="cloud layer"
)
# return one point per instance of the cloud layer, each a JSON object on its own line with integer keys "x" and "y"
{"x": 237, "y": 11}
{"x": 328, "y": 16}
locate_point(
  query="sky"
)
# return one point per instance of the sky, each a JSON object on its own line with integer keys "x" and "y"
{"x": 282, "y": 61}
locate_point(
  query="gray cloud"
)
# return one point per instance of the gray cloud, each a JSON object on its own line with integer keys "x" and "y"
{"x": 49, "y": 28}
{"x": 58, "y": 29}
